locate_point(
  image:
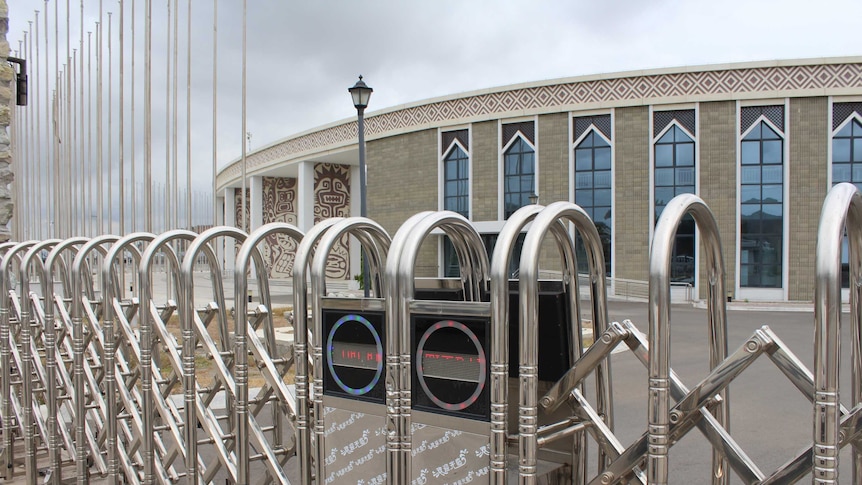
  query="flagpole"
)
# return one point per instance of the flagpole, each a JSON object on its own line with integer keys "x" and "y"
{"x": 48, "y": 153}
{"x": 167, "y": 198}
{"x": 132, "y": 134}
{"x": 89, "y": 159}
{"x": 37, "y": 113}
{"x": 110, "y": 200}
{"x": 120, "y": 141}
{"x": 148, "y": 116}
{"x": 99, "y": 114}
{"x": 175, "y": 185}
{"x": 189, "y": 115}
{"x": 245, "y": 226}
{"x": 215, "y": 110}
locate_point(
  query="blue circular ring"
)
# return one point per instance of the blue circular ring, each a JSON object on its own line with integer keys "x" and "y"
{"x": 344, "y": 387}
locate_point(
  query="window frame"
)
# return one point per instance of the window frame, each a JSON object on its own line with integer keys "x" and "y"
{"x": 504, "y": 174}
{"x": 501, "y": 161}
{"x": 593, "y": 129}
{"x": 442, "y": 153}
{"x": 845, "y": 292}
{"x": 655, "y": 137}
{"x": 758, "y": 293}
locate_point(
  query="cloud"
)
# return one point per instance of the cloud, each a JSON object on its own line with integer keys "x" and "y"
{"x": 302, "y": 56}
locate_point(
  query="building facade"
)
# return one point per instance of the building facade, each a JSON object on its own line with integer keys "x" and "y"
{"x": 761, "y": 143}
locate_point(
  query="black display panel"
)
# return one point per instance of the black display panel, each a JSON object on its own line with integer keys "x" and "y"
{"x": 353, "y": 355}
{"x": 451, "y": 367}
{"x": 554, "y": 318}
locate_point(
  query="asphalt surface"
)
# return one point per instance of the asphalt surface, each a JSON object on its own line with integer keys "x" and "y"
{"x": 770, "y": 419}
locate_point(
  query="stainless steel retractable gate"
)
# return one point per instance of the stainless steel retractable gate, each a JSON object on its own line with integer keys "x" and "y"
{"x": 842, "y": 211}
{"x": 122, "y": 358}
{"x": 305, "y": 451}
{"x": 88, "y": 369}
{"x": 10, "y": 325}
{"x": 81, "y": 385}
{"x": 444, "y": 409}
{"x": 197, "y": 399}
{"x": 274, "y": 452}
{"x": 30, "y": 347}
{"x": 163, "y": 444}
{"x": 347, "y": 354}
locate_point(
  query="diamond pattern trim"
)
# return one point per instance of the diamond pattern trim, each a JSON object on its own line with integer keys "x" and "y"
{"x": 640, "y": 89}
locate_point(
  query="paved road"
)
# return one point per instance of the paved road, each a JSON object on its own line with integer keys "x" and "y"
{"x": 770, "y": 418}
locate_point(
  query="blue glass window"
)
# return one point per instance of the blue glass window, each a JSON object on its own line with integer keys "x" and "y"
{"x": 674, "y": 174}
{"x": 456, "y": 181}
{"x": 847, "y": 167}
{"x": 761, "y": 208}
{"x": 520, "y": 172}
{"x": 593, "y": 192}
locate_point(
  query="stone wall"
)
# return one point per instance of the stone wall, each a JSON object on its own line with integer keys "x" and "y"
{"x": 7, "y": 78}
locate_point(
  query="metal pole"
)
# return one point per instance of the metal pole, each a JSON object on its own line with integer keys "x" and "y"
{"x": 363, "y": 210}
{"x": 133, "y": 198}
{"x": 31, "y": 180}
{"x": 110, "y": 205}
{"x": 100, "y": 145}
{"x": 175, "y": 185}
{"x": 189, "y": 115}
{"x": 37, "y": 113}
{"x": 76, "y": 163}
{"x": 148, "y": 117}
{"x": 48, "y": 153}
{"x": 121, "y": 144}
{"x": 245, "y": 226}
{"x": 167, "y": 198}
{"x": 215, "y": 110}
{"x": 84, "y": 181}
{"x": 89, "y": 121}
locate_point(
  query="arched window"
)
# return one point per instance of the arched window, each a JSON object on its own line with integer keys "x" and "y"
{"x": 456, "y": 181}
{"x": 761, "y": 208}
{"x": 520, "y": 173}
{"x": 593, "y": 192}
{"x": 674, "y": 174}
{"x": 847, "y": 167}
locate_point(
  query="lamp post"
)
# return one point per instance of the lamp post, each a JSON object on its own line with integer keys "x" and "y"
{"x": 534, "y": 198}
{"x": 361, "y": 93}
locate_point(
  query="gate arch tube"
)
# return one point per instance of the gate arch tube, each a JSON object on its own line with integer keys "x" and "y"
{"x": 186, "y": 313}
{"x": 247, "y": 250}
{"x": 80, "y": 269}
{"x": 27, "y": 356}
{"x": 376, "y": 242}
{"x": 400, "y": 266}
{"x": 110, "y": 289}
{"x": 52, "y": 261}
{"x": 12, "y": 254}
{"x": 842, "y": 210}
{"x": 161, "y": 243}
{"x": 301, "y": 264}
{"x": 659, "y": 328}
{"x": 551, "y": 219}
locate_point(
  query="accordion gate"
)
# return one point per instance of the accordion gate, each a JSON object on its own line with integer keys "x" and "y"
{"x": 100, "y": 384}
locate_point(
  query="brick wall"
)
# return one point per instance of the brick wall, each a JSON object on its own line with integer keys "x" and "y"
{"x": 402, "y": 180}
{"x": 631, "y": 198}
{"x": 808, "y": 165}
{"x": 718, "y": 180}
{"x": 484, "y": 156}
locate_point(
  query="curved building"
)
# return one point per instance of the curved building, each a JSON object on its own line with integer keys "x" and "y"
{"x": 760, "y": 142}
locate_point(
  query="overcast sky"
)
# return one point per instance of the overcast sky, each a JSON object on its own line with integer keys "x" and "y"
{"x": 303, "y": 55}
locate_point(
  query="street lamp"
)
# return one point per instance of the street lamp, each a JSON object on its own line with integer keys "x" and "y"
{"x": 361, "y": 93}
{"x": 534, "y": 198}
